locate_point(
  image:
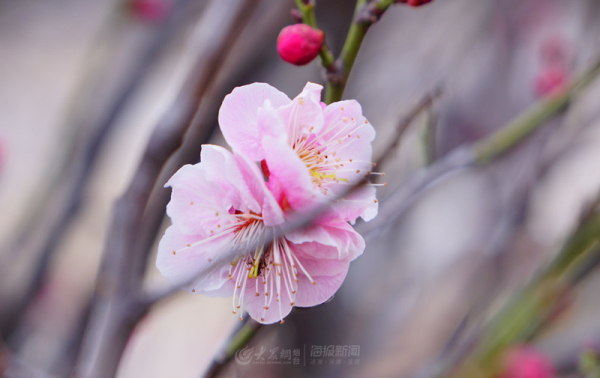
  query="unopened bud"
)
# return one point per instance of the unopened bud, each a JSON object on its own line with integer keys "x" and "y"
{"x": 414, "y": 3}
{"x": 551, "y": 80}
{"x": 150, "y": 10}
{"x": 524, "y": 361}
{"x": 299, "y": 44}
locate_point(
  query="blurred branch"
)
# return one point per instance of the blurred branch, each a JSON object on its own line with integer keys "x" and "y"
{"x": 423, "y": 104}
{"x": 508, "y": 136}
{"x": 11, "y": 366}
{"x": 524, "y": 315}
{"x": 237, "y": 341}
{"x": 481, "y": 152}
{"x": 429, "y": 136}
{"x": 116, "y": 308}
{"x": 73, "y": 178}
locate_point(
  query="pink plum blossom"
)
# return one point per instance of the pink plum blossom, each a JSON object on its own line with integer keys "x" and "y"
{"x": 524, "y": 361}
{"x": 223, "y": 204}
{"x": 309, "y": 152}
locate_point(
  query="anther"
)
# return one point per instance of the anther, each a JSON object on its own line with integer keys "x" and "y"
{"x": 191, "y": 203}
{"x": 174, "y": 252}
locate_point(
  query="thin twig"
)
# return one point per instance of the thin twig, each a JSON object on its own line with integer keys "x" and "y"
{"x": 423, "y": 104}
{"x": 240, "y": 337}
{"x": 78, "y": 172}
{"x": 481, "y": 152}
{"x": 116, "y": 309}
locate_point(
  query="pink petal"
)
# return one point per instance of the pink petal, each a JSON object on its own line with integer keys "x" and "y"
{"x": 187, "y": 262}
{"x": 325, "y": 287}
{"x": 304, "y": 114}
{"x": 223, "y": 169}
{"x": 270, "y": 123}
{"x": 271, "y": 212}
{"x": 238, "y": 116}
{"x": 328, "y": 241}
{"x": 289, "y": 179}
{"x": 195, "y": 201}
{"x": 362, "y": 202}
{"x": 350, "y": 109}
{"x": 255, "y": 305}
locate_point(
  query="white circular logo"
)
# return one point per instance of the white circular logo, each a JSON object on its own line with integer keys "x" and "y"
{"x": 244, "y": 355}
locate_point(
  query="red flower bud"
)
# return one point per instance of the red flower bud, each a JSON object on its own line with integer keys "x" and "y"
{"x": 551, "y": 80}
{"x": 524, "y": 361}
{"x": 299, "y": 44}
{"x": 414, "y": 3}
{"x": 150, "y": 10}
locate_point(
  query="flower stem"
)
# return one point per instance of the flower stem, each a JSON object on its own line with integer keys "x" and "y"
{"x": 507, "y": 137}
{"x": 365, "y": 14}
{"x": 237, "y": 341}
{"x": 523, "y": 317}
{"x": 356, "y": 34}
{"x": 307, "y": 9}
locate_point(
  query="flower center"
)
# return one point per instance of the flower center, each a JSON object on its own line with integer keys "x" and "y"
{"x": 273, "y": 270}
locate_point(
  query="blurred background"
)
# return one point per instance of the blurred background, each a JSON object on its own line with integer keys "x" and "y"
{"x": 84, "y": 84}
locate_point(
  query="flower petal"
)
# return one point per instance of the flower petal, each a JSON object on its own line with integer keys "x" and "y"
{"x": 238, "y": 116}
{"x": 289, "y": 178}
{"x": 325, "y": 287}
{"x": 335, "y": 240}
{"x": 255, "y": 305}
{"x": 187, "y": 262}
{"x": 304, "y": 114}
{"x": 271, "y": 212}
{"x": 195, "y": 201}
{"x": 362, "y": 202}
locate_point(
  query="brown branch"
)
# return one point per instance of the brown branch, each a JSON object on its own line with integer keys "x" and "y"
{"x": 423, "y": 104}
{"x": 116, "y": 309}
{"x": 63, "y": 205}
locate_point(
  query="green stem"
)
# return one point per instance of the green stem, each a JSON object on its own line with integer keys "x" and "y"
{"x": 507, "y": 137}
{"x": 356, "y": 34}
{"x": 236, "y": 342}
{"x": 309, "y": 18}
{"x": 524, "y": 316}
